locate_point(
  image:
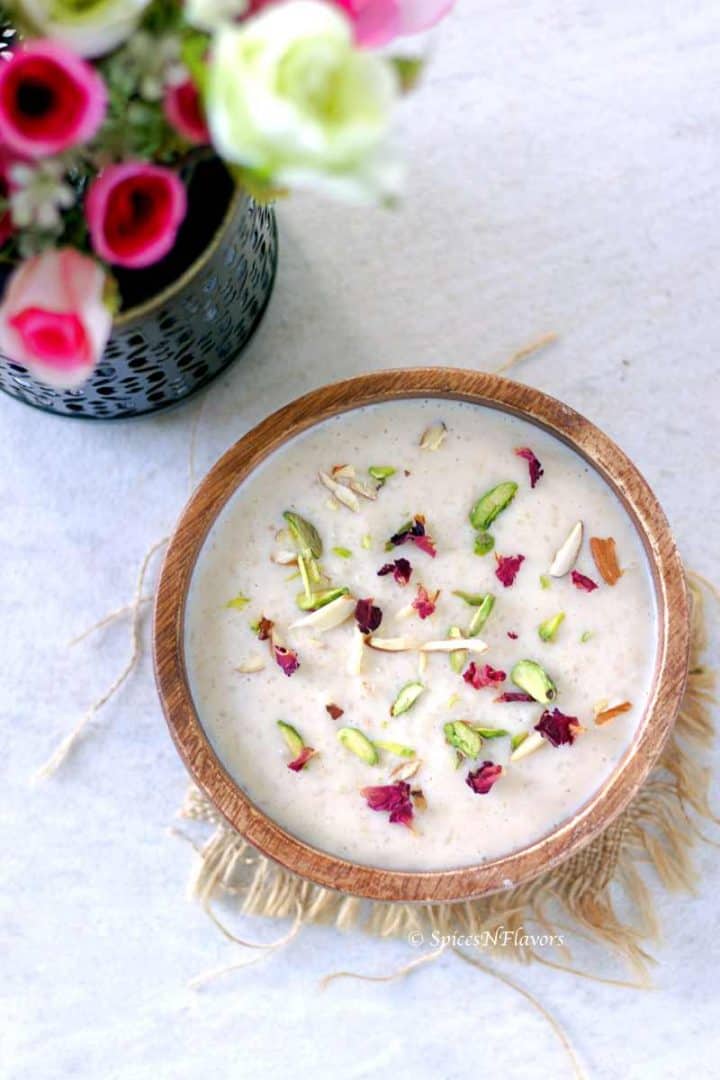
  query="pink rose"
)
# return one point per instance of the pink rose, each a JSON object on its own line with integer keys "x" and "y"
{"x": 185, "y": 113}
{"x": 377, "y": 22}
{"x": 50, "y": 100}
{"x": 53, "y": 319}
{"x": 134, "y": 211}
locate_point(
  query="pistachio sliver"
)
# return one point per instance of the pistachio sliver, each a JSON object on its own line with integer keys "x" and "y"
{"x": 406, "y": 698}
{"x": 292, "y": 737}
{"x": 548, "y": 629}
{"x": 305, "y": 535}
{"x": 566, "y": 555}
{"x": 532, "y": 742}
{"x": 354, "y": 740}
{"x": 395, "y": 748}
{"x": 545, "y": 582}
{"x": 342, "y": 552}
{"x": 491, "y": 504}
{"x": 484, "y": 543}
{"x": 320, "y": 599}
{"x": 327, "y": 617}
{"x": 238, "y": 603}
{"x": 518, "y": 740}
{"x": 381, "y": 473}
{"x": 529, "y": 676}
{"x": 585, "y": 637}
{"x": 490, "y": 732}
{"x": 457, "y": 658}
{"x": 473, "y": 599}
{"x": 463, "y": 738}
{"x": 481, "y": 616}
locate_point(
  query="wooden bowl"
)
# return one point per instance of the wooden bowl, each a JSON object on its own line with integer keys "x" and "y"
{"x": 604, "y": 805}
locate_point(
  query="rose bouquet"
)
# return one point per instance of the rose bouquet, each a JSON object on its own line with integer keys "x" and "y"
{"x": 106, "y": 106}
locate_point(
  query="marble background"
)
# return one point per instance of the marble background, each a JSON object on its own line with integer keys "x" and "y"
{"x": 565, "y": 161}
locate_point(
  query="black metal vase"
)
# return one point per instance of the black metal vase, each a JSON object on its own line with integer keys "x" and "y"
{"x": 183, "y": 320}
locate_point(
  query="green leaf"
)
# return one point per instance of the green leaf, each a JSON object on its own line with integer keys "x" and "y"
{"x": 408, "y": 70}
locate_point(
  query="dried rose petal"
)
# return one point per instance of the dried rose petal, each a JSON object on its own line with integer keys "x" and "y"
{"x": 367, "y": 615}
{"x": 484, "y": 676}
{"x": 334, "y": 710}
{"x": 535, "y": 468}
{"x": 424, "y": 603}
{"x": 264, "y": 628}
{"x": 481, "y": 780}
{"x": 393, "y": 798}
{"x": 514, "y": 695}
{"x": 286, "y": 658}
{"x": 512, "y": 635}
{"x": 507, "y": 568}
{"x": 400, "y": 569}
{"x": 417, "y": 535}
{"x": 558, "y": 728}
{"x": 582, "y": 582}
{"x": 302, "y": 759}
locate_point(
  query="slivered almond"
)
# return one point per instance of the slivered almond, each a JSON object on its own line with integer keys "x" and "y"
{"x": 284, "y": 558}
{"x": 567, "y": 553}
{"x": 448, "y": 645}
{"x": 357, "y": 651}
{"x": 422, "y": 663}
{"x": 434, "y": 436}
{"x": 251, "y": 665}
{"x": 367, "y": 491}
{"x": 327, "y": 617}
{"x": 342, "y": 472}
{"x": 343, "y": 495}
{"x": 406, "y": 769}
{"x": 604, "y": 553}
{"x": 609, "y": 714}
{"x": 398, "y": 644}
{"x": 528, "y": 746}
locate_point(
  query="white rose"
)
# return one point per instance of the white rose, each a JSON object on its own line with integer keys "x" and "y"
{"x": 209, "y": 14}
{"x": 290, "y": 98}
{"x": 88, "y": 27}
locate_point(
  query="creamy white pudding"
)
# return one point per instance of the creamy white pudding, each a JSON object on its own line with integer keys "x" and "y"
{"x": 590, "y": 651}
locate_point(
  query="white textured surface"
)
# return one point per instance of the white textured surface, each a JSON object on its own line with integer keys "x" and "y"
{"x": 565, "y": 163}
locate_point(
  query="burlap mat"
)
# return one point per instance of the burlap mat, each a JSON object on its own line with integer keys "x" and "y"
{"x": 584, "y": 895}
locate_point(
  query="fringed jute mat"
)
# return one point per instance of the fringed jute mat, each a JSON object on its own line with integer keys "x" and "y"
{"x": 581, "y": 897}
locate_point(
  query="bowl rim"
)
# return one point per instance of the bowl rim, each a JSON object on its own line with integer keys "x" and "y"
{"x": 673, "y": 616}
